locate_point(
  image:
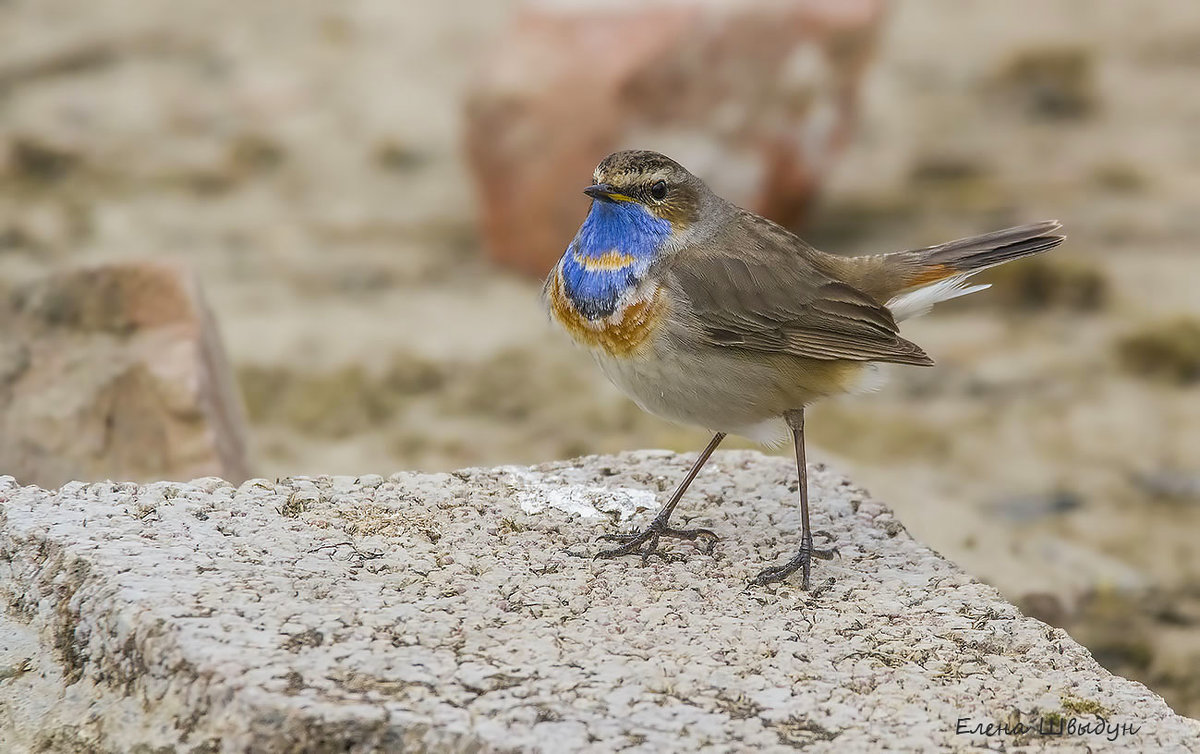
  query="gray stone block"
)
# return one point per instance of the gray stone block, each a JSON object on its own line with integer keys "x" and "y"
{"x": 459, "y": 612}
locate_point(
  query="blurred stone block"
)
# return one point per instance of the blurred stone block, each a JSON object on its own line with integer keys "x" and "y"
{"x": 756, "y": 97}
{"x": 116, "y": 372}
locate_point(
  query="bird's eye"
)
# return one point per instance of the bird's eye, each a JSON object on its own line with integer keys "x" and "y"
{"x": 659, "y": 190}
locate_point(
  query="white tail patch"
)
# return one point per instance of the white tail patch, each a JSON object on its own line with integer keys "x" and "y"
{"x": 871, "y": 379}
{"x": 917, "y": 302}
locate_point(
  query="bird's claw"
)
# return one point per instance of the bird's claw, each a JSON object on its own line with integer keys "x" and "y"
{"x": 801, "y": 562}
{"x": 645, "y": 542}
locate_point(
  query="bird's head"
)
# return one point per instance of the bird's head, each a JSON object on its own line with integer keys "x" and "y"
{"x": 644, "y": 205}
{"x": 649, "y": 182}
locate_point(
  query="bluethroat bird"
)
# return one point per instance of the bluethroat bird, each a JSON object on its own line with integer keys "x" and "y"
{"x": 709, "y": 315}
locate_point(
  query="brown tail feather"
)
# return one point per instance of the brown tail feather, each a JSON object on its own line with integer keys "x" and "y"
{"x": 885, "y": 276}
{"x": 976, "y": 253}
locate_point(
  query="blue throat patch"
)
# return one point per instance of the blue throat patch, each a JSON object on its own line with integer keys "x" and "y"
{"x": 611, "y": 252}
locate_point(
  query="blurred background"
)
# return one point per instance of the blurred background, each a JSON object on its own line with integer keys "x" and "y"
{"x": 367, "y": 194}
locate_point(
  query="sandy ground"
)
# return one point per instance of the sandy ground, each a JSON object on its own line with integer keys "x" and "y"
{"x": 305, "y": 159}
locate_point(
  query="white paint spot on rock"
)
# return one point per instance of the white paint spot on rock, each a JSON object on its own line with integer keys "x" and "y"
{"x": 537, "y": 492}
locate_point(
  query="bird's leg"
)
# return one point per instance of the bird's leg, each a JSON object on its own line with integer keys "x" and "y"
{"x": 645, "y": 542}
{"x": 803, "y": 559}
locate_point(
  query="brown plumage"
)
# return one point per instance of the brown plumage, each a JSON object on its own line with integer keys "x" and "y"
{"x": 759, "y": 287}
{"x": 886, "y": 276}
{"x": 756, "y": 286}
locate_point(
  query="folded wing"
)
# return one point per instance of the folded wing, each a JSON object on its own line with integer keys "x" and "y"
{"x": 758, "y": 287}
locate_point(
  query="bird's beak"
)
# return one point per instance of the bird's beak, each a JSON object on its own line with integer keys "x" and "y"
{"x": 606, "y": 193}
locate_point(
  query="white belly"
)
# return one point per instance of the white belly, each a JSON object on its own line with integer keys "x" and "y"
{"x": 719, "y": 392}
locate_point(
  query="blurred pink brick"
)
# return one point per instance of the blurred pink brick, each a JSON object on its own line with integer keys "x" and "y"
{"x": 116, "y": 371}
{"x": 756, "y": 97}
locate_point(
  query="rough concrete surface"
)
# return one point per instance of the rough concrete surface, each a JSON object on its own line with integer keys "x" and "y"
{"x": 450, "y": 612}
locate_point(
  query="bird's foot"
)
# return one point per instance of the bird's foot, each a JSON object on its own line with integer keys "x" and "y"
{"x": 801, "y": 562}
{"x": 645, "y": 542}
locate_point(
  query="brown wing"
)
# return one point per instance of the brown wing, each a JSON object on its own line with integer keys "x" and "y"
{"x": 758, "y": 287}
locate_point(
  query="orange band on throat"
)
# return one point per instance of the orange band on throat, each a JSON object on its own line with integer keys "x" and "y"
{"x": 609, "y": 260}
